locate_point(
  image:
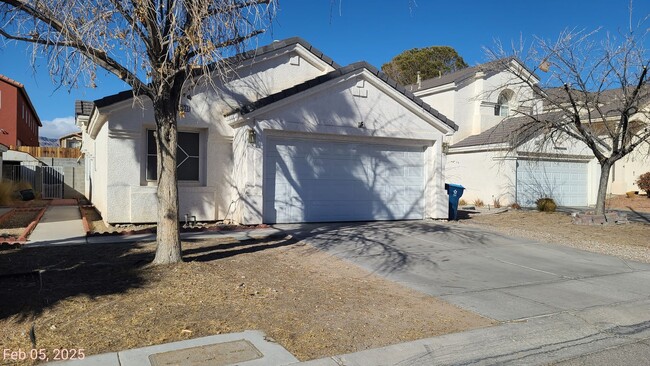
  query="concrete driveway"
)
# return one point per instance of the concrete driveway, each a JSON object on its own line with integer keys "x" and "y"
{"x": 574, "y": 302}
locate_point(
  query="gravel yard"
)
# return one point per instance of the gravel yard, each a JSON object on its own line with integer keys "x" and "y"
{"x": 629, "y": 241}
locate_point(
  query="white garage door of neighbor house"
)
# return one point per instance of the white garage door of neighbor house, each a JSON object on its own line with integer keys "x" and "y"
{"x": 565, "y": 182}
{"x": 322, "y": 181}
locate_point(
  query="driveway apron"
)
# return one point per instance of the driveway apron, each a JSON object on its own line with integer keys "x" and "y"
{"x": 496, "y": 276}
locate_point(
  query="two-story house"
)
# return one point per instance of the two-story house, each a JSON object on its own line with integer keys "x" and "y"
{"x": 19, "y": 122}
{"x": 499, "y": 157}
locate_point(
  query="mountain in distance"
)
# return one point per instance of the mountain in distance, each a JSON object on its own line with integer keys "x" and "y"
{"x": 48, "y": 142}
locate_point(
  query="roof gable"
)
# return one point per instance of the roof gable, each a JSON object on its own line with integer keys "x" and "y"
{"x": 243, "y": 113}
{"x": 236, "y": 60}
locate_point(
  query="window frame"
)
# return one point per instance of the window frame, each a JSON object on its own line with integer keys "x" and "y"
{"x": 503, "y": 104}
{"x": 200, "y": 157}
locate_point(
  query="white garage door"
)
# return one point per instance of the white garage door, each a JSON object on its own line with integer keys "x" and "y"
{"x": 565, "y": 182}
{"x": 321, "y": 181}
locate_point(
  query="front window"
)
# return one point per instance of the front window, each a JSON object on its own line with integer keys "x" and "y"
{"x": 187, "y": 156}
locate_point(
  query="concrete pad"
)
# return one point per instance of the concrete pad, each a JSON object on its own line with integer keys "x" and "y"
{"x": 218, "y": 354}
{"x": 628, "y": 282}
{"x": 273, "y": 353}
{"x": 459, "y": 272}
{"x": 105, "y": 359}
{"x": 563, "y": 261}
{"x": 59, "y": 225}
{"x": 573, "y": 294}
{"x": 499, "y": 305}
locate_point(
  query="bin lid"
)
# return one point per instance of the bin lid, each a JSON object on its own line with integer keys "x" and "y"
{"x": 452, "y": 185}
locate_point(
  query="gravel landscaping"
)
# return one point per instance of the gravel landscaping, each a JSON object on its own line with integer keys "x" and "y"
{"x": 629, "y": 241}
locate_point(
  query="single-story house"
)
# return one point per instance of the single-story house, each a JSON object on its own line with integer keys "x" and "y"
{"x": 496, "y": 157}
{"x": 71, "y": 140}
{"x": 288, "y": 136}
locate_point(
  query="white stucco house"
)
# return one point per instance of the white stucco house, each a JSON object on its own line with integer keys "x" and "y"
{"x": 288, "y": 136}
{"x": 496, "y": 161}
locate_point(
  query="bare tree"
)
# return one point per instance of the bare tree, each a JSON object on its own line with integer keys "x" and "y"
{"x": 155, "y": 46}
{"x": 596, "y": 92}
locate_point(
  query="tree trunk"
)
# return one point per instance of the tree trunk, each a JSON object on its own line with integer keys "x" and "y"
{"x": 168, "y": 236}
{"x": 605, "y": 168}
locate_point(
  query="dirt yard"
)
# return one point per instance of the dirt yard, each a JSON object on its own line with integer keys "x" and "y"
{"x": 639, "y": 203}
{"x": 14, "y": 225}
{"x": 107, "y": 298}
{"x": 628, "y": 241}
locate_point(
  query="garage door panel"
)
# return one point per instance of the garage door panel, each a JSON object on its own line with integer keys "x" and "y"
{"x": 565, "y": 182}
{"x": 311, "y": 181}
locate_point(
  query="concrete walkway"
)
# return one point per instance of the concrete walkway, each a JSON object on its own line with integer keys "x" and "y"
{"x": 59, "y": 225}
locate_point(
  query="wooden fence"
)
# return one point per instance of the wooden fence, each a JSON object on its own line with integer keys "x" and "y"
{"x": 49, "y": 152}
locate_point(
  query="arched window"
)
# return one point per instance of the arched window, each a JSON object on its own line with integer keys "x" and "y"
{"x": 502, "y": 108}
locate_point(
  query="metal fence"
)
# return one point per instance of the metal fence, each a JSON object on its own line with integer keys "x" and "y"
{"x": 52, "y": 182}
{"x": 26, "y": 172}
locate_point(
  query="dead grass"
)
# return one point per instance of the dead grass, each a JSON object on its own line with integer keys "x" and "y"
{"x": 107, "y": 298}
{"x": 629, "y": 241}
{"x": 639, "y": 203}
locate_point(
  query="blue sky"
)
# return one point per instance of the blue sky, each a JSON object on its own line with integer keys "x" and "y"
{"x": 370, "y": 30}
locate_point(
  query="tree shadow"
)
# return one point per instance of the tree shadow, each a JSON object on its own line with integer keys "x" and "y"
{"x": 391, "y": 247}
{"x": 34, "y": 279}
{"x": 227, "y": 250}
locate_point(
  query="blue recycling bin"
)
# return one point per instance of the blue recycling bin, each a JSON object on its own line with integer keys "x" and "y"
{"x": 455, "y": 191}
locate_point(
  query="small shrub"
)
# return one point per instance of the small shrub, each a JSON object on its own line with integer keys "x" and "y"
{"x": 644, "y": 182}
{"x": 546, "y": 205}
{"x": 462, "y": 202}
{"x": 515, "y": 206}
{"x": 479, "y": 202}
{"x": 630, "y": 194}
{"x": 496, "y": 203}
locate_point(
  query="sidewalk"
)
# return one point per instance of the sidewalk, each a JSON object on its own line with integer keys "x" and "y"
{"x": 59, "y": 225}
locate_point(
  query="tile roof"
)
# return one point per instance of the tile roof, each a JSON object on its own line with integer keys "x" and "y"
{"x": 83, "y": 107}
{"x": 512, "y": 130}
{"x": 338, "y": 73}
{"x": 463, "y": 74}
{"x": 241, "y": 57}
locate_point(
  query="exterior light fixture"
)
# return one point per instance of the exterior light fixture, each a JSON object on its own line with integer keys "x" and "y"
{"x": 251, "y": 136}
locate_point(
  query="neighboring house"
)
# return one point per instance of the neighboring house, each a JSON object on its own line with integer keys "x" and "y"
{"x": 3, "y": 149}
{"x": 496, "y": 158}
{"x": 288, "y": 136}
{"x": 19, "y": 121}
{"x": 71, "y": 141}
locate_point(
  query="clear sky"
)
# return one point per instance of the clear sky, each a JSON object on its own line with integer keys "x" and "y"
{"x": 370, "y": 30}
